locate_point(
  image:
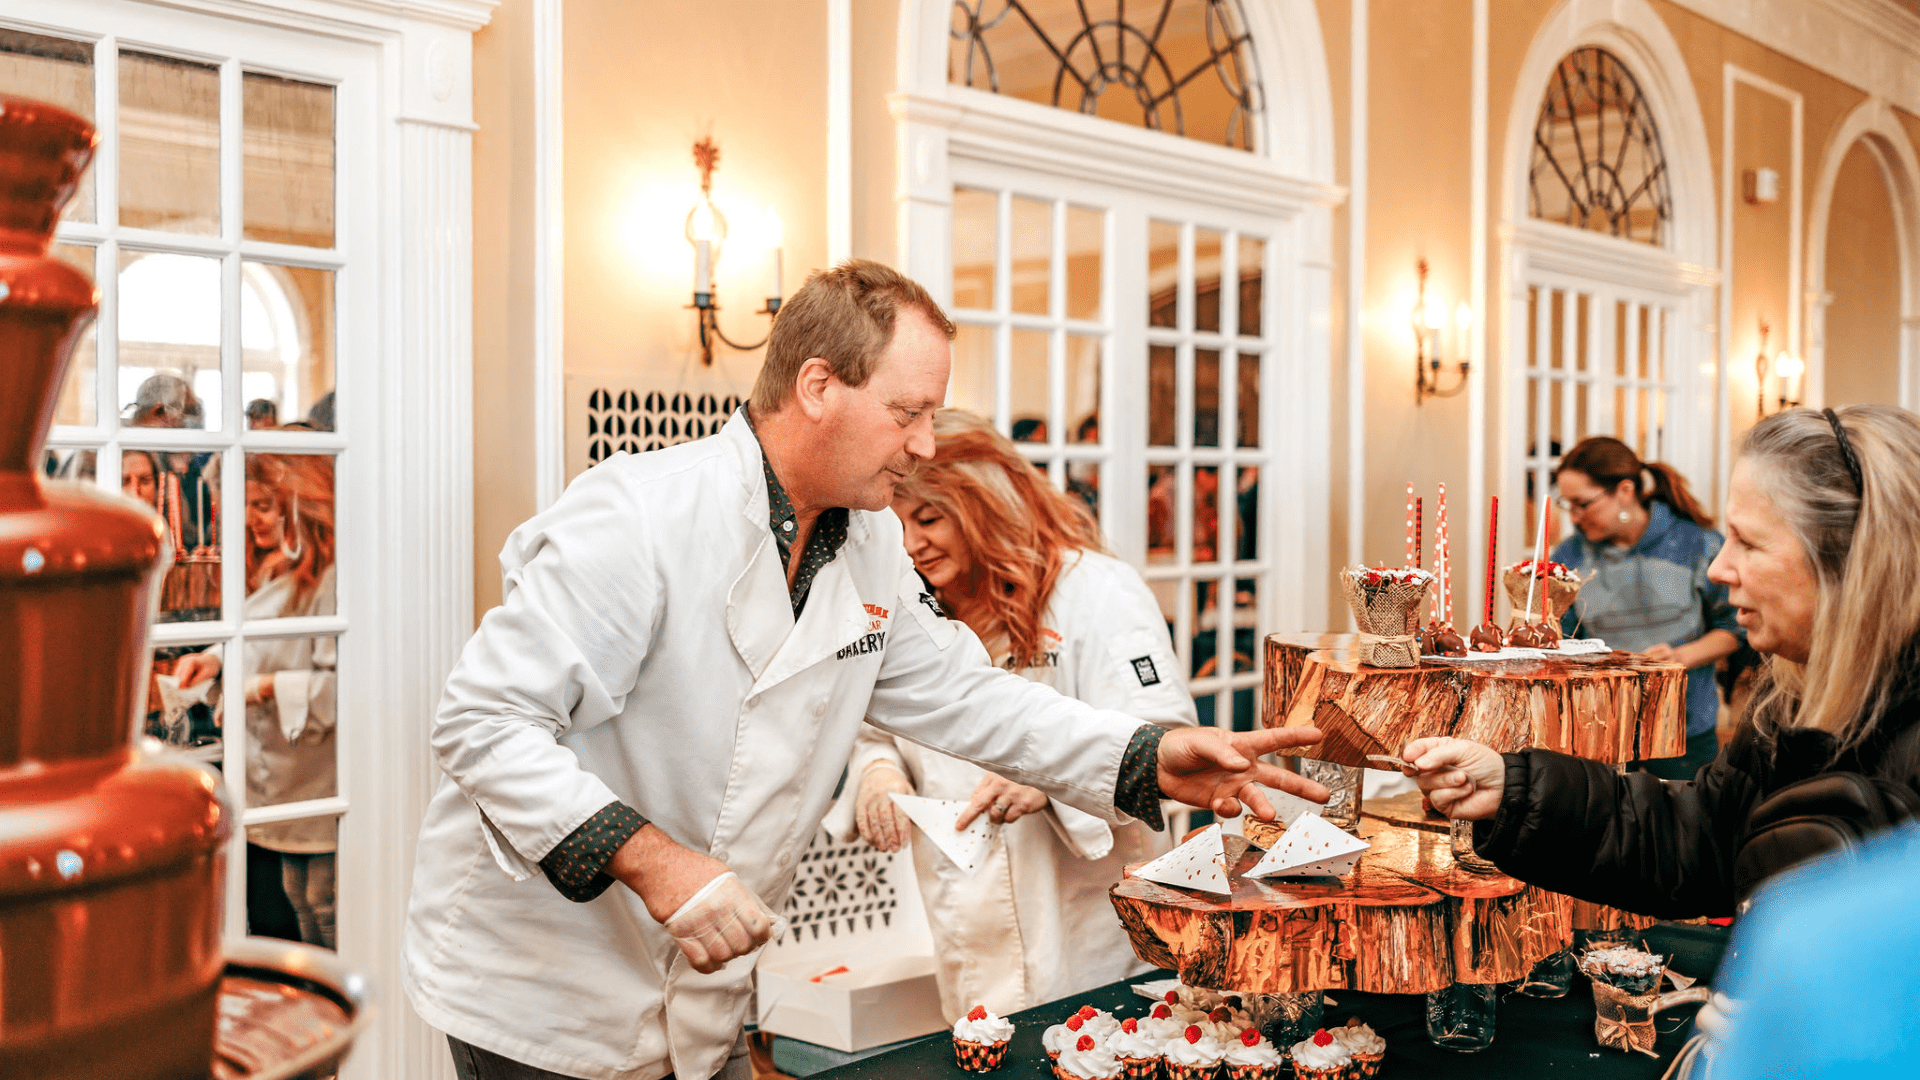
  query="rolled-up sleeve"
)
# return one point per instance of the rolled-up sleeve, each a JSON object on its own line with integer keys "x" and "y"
{"x": 559, "y": 655}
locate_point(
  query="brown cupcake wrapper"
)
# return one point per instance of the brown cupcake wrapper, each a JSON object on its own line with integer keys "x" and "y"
{"x": 1252, "y": 1072}
{"x": 1364, "y": 1066}
{"x": 1140, "y": 1068}
{"x": 979, "y": 1057}
{"x": 1192, "y": 1072}
{"x": 1301, "y": 1072}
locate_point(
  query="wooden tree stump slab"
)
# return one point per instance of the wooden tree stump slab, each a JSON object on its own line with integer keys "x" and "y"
{"x": 1407, "y": 920}
{"x": 1610, "y": 707}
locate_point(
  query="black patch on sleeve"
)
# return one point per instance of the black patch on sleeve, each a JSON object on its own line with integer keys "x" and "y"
{"x": 1144, "y": 670}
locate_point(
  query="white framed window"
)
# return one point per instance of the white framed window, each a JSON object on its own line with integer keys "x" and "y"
{"x": 221, "y": 222}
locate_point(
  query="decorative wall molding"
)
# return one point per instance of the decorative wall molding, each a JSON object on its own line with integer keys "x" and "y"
{"x": 1874, "y": 124}
{"x": 1871, "y": 44}
{"x": 549, "y": 243}
{"x": 1478, "y": 211}
{"x": 1358, "y": 51}
{"x": 839, "y": 131}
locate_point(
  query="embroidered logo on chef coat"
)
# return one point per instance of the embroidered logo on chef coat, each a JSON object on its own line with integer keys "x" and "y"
{"x": 1144, "y": 670}
{"x": 933, "y": 605}
{"x": 864, "y": 645}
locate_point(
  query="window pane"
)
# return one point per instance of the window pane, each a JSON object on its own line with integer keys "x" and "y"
{"x": 1206, "y": 279}
{"x": 1163, "y": 500}
{"x": 1248, "y": 406}
{"x": 1246, "y": 605}
{"x": 972, "y": 378}
{"x": 77, "y": 394}
{"x": 1206, "y": 397}
{"x": 183, "y": 487}
{"x": 1163, "y": 274}
{"x": 1032, "y": 240}
{"x": 1246, "y": 516}
{"x": 169, "y": 341}
{"x": 1161, "y": 398}
{"x": 59, "y": 72}
{"x": 291, "y": 884}
{"x": 169, "y": 144}
{"x": 1083, "y": 389}
{"x": 290, "y": 536}
{"x": 1027, "y": 389}
{"x": 1206, "y": 513}
{"x": 183, "y": 699}
{"x": 288, "y": 187}
{"x": 1086, "y": 249}
{"x": 973, "y": 248}
{"x": 286, "y": 345}
{"x": 79, "y": 466}
{"x": 1083, "y": 480}
{"x": 1206, "y": 629}
{"x": 1252, "y": 262}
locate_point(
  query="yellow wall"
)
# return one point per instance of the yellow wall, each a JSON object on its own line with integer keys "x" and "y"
{"x": 1863, "y": 322}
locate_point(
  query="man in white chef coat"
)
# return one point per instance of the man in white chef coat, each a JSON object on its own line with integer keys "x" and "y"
{"x": 688, "y": 642}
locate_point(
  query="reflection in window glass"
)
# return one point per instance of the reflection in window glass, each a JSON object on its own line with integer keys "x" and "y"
{"x": 1083, "y": 481}
{"x": 974, "y": 235}
{"x": 1032, "y": 241}
{"x": 59, "y": 72}
{"x": 1247, "y": 407}
{"x": 286, "y": 345}
{"x": 1206, "y": 279}
{"x": 1252, "y": 261}
{"x": 1027, "y": 387}
{"x": 1083, "y": 389}
{"x": 1206, "y": 627}
{"x": 1161, "y": 399}
{"x": 1206, "y": 397}
{"x": 971, "y": 382}
{"x": 169, "y": 341}
{"x": 1246, "y": 517}
{"x": 77, "y": 395}
{"x": 1086, "y": 247}
{"x": 169, "y": 144}
{"x": 1246, "y": 602}
{"x": 1163, "y": 274}
{"x": 290, "y": 535}
{"x": 76, "y": 465}
{"x": 183, "y": 487}
{"x": 1163, "y": 500}
{"x": 288, "y": 184}
{"x": 1206, "y": 513}
{"x": 183, "y": 699}
{"x": 291, "y": 881}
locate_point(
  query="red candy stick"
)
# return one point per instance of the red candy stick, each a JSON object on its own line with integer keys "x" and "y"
{"x": 1493, "y": 547}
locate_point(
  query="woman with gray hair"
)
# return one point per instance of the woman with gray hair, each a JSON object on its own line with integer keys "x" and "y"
{"x": 1822, "y": 564}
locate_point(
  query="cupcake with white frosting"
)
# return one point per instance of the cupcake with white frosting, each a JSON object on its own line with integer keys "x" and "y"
{"x": 980, "y": 1040}
{"x": 1057, "y": 1039}
{"x": 1364, "y": 1046}
{"x": 1252, "y": 1057}
{"x": 1087, "y": 1059}
{"x": 1196, "y": 1055}
{"x": 1162, "y": 1026}
{"x": 1138, "y": 1051}
{"x": 1321, "y": 1057}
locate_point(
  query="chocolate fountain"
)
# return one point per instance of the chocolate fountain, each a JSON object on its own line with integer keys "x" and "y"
{"x": 112, "y": 859}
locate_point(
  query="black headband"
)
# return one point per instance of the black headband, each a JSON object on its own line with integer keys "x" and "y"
{"x": 1847, "y": 456}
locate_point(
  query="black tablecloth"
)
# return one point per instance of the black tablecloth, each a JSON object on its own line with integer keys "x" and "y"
{"x": 1532, "y": 1037}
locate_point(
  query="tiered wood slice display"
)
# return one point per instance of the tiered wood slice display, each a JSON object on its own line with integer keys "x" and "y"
{"x": 1407, "y": 920}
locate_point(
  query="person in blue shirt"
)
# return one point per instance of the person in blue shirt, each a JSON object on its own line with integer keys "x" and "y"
{"x": 1644, "y": 543}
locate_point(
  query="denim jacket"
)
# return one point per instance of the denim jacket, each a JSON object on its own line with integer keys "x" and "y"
{"x": 1653, "y": 593}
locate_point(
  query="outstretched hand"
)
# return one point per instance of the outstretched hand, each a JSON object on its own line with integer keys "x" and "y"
{"x": 1219, "y": 770}
{"x": 1460, "y": 777}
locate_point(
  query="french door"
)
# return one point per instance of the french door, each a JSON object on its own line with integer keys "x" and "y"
{"x": 1122, "y": 340}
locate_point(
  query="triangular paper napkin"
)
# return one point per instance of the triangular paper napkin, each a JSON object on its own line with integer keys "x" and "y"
{"x": 1311, "y": 846}
{"x": 1200, "y": 863}
{"x": 936, "y": 817}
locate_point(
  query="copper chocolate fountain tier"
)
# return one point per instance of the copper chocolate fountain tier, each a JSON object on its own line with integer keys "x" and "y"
{"x": 112, "y": 859}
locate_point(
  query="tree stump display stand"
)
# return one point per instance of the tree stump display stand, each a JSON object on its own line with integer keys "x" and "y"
{"x": 1409, "y": 918}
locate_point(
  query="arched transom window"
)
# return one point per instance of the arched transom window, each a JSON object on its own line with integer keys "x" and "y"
{"x": 1180, "y": 66}
{"x": 1597, "y": 159}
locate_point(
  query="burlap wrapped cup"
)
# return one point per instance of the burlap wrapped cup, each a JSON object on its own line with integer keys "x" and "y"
{"x": 1386, "y": 604}
{"x": 1624, "y": 1021}
{"x": 1560, "y": 596}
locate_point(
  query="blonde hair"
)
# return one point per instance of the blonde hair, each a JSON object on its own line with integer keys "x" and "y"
{"x": 1018, "y": 526}
{"x": 1864, "y": 547}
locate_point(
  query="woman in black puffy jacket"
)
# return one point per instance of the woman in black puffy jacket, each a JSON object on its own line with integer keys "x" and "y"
{"x": 1823, "y": 562}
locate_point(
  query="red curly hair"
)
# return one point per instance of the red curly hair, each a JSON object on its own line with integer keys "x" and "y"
{"x": 1018, "y": 526}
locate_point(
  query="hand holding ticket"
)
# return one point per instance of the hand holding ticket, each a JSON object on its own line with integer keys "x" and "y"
{"x": 1390, "y": 761}
{"x": 1461, "y": 778}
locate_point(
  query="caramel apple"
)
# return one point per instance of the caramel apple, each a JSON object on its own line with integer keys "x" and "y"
{"x": 1448, "y": 643}
{"x": 1487, "y": 637}
{"x": 1533, "y": 636}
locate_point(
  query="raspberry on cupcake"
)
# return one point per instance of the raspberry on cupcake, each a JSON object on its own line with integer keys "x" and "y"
{"x": 1087, "y": 1059}
{"x": 1162, "y": 1026}
{"x": 1252, "y": 1057}
{"x": 1139, "y": 1052}
{"x": 980, "y": 1040}
{"x": 1321, "y": 1057}
{"x": 1196, "y": 1055}
{"x": 1058, "y": 1038}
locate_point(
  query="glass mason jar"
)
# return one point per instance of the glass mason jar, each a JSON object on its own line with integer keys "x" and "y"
{"x": 1460, "y": 1017}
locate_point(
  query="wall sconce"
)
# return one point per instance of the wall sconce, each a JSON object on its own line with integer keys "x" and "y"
{"x": 707, "y": 232}
{"x": 1787, "y": 367}
{"x": 1429, "y": 318}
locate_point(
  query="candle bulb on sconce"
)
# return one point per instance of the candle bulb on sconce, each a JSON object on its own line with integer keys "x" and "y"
{"x": 706, "y": 230}
{"x": 1429, "y": 320}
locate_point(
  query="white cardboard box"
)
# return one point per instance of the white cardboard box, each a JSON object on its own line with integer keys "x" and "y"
{"x": 874, "y": 1003}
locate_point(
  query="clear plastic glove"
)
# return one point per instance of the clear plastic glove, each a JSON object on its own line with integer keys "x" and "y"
{"x": 882, "y": 823}
{"x": 722, "y": 921}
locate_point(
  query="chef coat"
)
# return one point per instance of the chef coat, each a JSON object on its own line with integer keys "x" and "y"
{"x": 1033, "y": 923}
{"x": 646, "y": 651}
